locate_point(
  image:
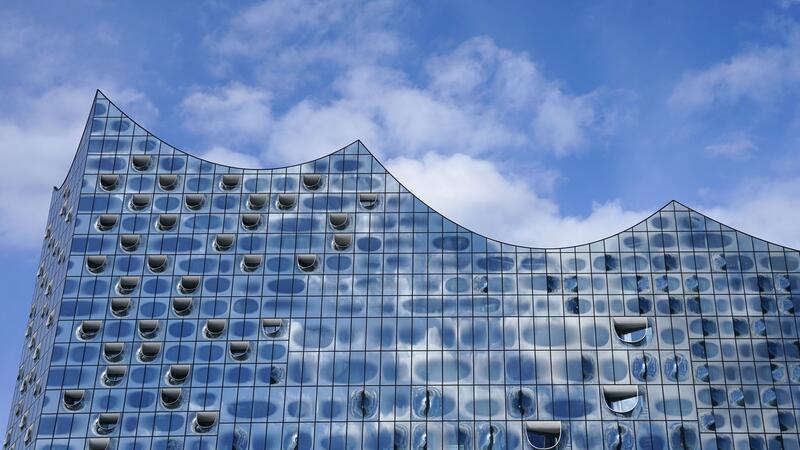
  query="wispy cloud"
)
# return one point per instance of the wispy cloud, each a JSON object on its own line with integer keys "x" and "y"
{"x": 737, "y": 146}
{"x": 758, "y": 74}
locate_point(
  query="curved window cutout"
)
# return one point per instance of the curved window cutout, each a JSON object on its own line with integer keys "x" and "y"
{"x": 286, "y": 201}
{"x": 230, "y": 181}
{"x": 114, "y": 375}
{"x": 188, "y": 284}
{"x": 106, "y": 222}
{"x": 141, "y": 162}
{"x": 276, "y": 375}
{"x": 109, "y": 181}
{"x": 148, "y": 329}
{"x": 171, "y": 397}
{"x": 312, "y": 181}
{"x": 106, "y": 423}
{"x": 521, "y": 402}
{"x": 182, "y": 306}
{"x": 631, "y": 330}
{"x": 167, "y": 222}
{"x": 368, "y": 200}
{"x": 95, "y": 263}
{"x": 621, "y": 399}
{"x": 271, "y": 327}
{"x": 167, "y": 181}
{"x": 126, "y": 285}
{"x": 157, "y": 263}
{"x": 139, "y": 202}
{"x": 250, "y": 263}
{"x": 239, "y": 350}
{"x": 73, "y": 399}
{"x": 251, "y": 221}
{"x": 89, "y": 329}
{"x": 338, "y": 221}
{"x": 204, "y": 421}
{"x": 149, "y": 351}
{"x": 113, "y": 351}
{"x": 120, "y": 306}
{"x": 194, "y": 201}
{"x": 223, "y": 242}
{"x": 342, "y": 241}
{"x": 256, "y": 201}
{"x": 129, "y": 242}
{"x": 178, "y": 373}
{"x": 99, "y": 444}
{"x": 214, "y": 328}
{"x": 307, "y": 263}
{"x": 364, "y": 403}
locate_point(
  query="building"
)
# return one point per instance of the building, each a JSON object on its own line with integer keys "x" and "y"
{"x": 186, "y": 304}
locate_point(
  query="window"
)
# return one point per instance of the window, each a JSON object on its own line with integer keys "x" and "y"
{"x": 88, "y": 329}
{"x": 120, "y": 306}
{"x": 114, "y": 375}
{"x": 286, "y": 201}
{"x": 157, "y": 263}
{"x": 106, "y": 222}
{"x": 230, "y": 181}
{"x": 149, "y": 351}
{"x": 139, "y": 202}
{"x": 194, "y": 201}
{"x": 256, "y": 201}
{"x": 182, "y": 306}
{"x": 188, "y": 284}
{"x": 368, "y": 200}
{"x": 251, "y": 221}
{"x": 178, "y": 373}
{"x": 543, "y": 435}
{"x": 631, "y": 330}
{"x": 239, "y": 350}
{"x": 338, "y": 221}
{"x": 95, "y": 263}
{"x": 342, "y": 241}
{"x": 250, "y": 263}
{"x": 140, "y": 162}
{"x": 148, "y": 329}
{"x": 312, "y": 181}
{"x": 214, "y": 328}
{"x": 129, "y": 242}
{"x": 204, "y": 421}
{"x": 223, "y": 242}
{"x": 126, "y": 285}
{"x": 307, "y": 262}
{"x": 167, "y": 182}
{"x": 113, "y": 351}
{"x": 106, "y": 423}
{"x": 73, "y": 399}
{"x": 171, "y": 397}
{"x": 166, "y": 222}
{"x": 271, "y": 327}
{"x": 109, "y": 181}
{"x": 99, "y": 444}
{"x": 621, "y": 399}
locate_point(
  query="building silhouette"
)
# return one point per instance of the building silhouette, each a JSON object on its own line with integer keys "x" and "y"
{"x": 186, "y": 304}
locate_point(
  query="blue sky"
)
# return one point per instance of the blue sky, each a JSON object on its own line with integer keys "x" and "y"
{"x": 542, "y": 123}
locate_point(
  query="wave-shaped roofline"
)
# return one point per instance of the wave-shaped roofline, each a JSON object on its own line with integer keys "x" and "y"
{"x": 669, "y": 206}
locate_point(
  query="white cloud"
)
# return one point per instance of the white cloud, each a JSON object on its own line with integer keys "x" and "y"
{"x": 39, "y": 141}
{"x": 228, "y": 157}
{"x": 478, "y": 195}
{"x": 235, "y": 112}
{"x": 767, "y": 208}
{"x": 759, "y": 74}
{"x": 737, "y": 146}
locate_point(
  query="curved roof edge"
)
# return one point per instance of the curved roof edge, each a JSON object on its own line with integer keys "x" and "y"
{"x": 670, "y": 206}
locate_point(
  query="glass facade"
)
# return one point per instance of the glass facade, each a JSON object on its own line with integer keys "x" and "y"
{"x": 182, "y": 304}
